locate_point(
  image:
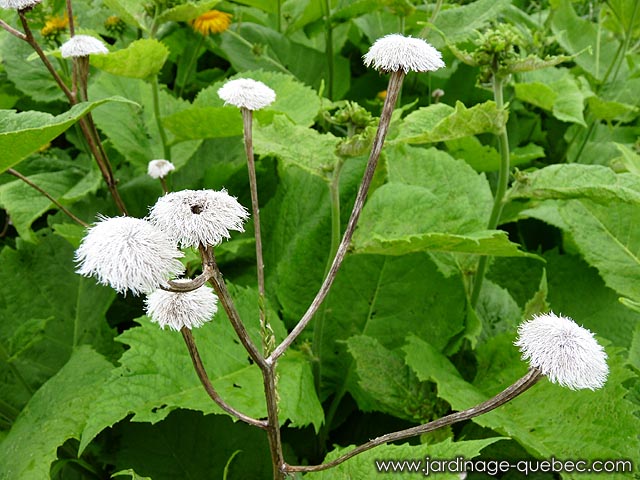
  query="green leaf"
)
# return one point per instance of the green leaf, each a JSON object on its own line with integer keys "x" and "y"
{"x": 312, "y": 151}
{"x": 610, "y": 110}
{"x": 428, "y": 192}
{"x": 461, "y": 22}
{"x": 187, "y": 11}
{"x": 57, "y": 312}
{"x": 385, "y": 384}
{"x": 629, "y": 159}
{"x": 132, "y": 129}
{"x": 580, "y": 36}
{"x": 485, "y": 158}
{"x": 174, "y": 448}
{"x": 141, "y": 59}
{"x": 380, "y": 461}
{"x": 593, "y": 182}
{"x": 385, "y": 298}
{"x": 68, "y": 181}
{"x": 195, "y": 123}
{"x": 547, "y": 419}
{"x": 490, "y": 242}
{"x": 439, "y": 122}
{"x": 156, "y": 375}
{"x": 556, "y": 91}
{"x": 57, "y": 412}
{"x": 131, "y": 11}
{"x": 297, "y": 101}
{"x": 23, "y": 133}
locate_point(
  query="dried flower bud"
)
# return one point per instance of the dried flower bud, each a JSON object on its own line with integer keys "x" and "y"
{"x": 82, "y": 46}
{"x": 195, "y": 217}
{"x": 18, "y": 4}
{"x": 563, "y": 351}
{"x": 128, "y": 254}
{"x": 182, "y": 309}
{"x": 247, "y": 93}
{"x": 160, "y": 168}
{"x": 396, "y": 52}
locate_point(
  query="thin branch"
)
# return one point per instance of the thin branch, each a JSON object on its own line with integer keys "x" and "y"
{"x": 503, "y": 397}
{"x": 12, "y": 30}
{"x": 247, "y": 123}
{"x": 395, "y": 83}
{"x": 273, "y": 430}
{"x": 217, "y": 282}
{"x": 64, "y": 210}
{"x": 72, "y": 29}
{"x": 197, "y": 282}
{"x": 208, "y": 386}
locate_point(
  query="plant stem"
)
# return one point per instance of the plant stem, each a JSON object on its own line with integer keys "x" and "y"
{"x": 72, "y": 28}
{"x": 247, "y": 123}
{"x": 12, "y": 30}
{"x": 208, "y": 386}
{"x": 166, "y": 148}
{"x": 328, "y": 41}
{"x": 395, "y": 83}
{"x": 503, "y": 397}
{"x": 217, "y": 282}
{"x": 434, "y": 15}
{"x": 503, "y": 180}
{"x": 64, "y": 210}
{"x": 273, "y": 428}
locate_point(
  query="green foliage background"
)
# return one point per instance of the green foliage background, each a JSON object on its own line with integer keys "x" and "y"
{"x": 89, "y": 387}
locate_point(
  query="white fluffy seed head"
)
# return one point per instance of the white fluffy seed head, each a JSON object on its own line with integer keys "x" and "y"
{"x": 128, "y": 254}
{"x": 565, "y": 352}
{"x": 396, "y": 52}
{"x": 82, "y": 46}
{"x": 194, "y": 217}
{"x": 159, "y": 168}
{"x": 182, "y": 309}
{"x": 18, "y": 4}
{"x": 247, "y": 93}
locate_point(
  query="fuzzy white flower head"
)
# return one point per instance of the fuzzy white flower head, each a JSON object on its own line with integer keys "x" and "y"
{"x": 82, "y": 46}
{"x": 128, "y": 254}
{"x": 194, "y": 217}
{"x": 160, "y": 168}
{"x": 396, "y": 52}
{"x": 18, "y": 4}
{"x": 247, "y": 93}
{"x": 563, "y": 351}
{"x": 182, "y": 309}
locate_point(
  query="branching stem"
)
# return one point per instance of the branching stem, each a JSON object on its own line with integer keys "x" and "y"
{"x": 503, "y": 397}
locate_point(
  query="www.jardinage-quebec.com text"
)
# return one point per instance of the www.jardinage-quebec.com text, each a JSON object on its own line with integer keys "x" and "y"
{"x": 429, "y": 465}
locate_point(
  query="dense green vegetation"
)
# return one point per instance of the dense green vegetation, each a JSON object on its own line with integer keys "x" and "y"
{"x": 447, "y": 259}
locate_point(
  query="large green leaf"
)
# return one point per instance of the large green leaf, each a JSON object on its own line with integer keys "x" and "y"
{"x": 546, "y": 420}
{"x": 384, "y": 383}
{"x": 403, "y": 461}
{"x": 156, "y": 375}
{"x": 463, "y": 21}
{"x": 187, "y": 11}
{"x": 428, "y": 193}
{"x": 173, "y": 448}
{"x": 66, "y": 181}
{"x": 311, "y": 151}
{"x": 141, "y": 59}
{"x": 592, "y": 182}
{"x": 57, "y": 412}
{"x": 23, "y": 133}
{"x": 195, "y": 123}
{"x": 485, "y": 158}
{"x": 385, "y": 298}
{"x": 440, "y": 122}
{"x": 46, "y": 311}
{"x": 607, "y": 235}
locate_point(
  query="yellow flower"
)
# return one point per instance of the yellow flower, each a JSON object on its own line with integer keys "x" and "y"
{"x": 382, "y": 95}
{"x": 54, "y": 25}
{"x": 213, "y": 21}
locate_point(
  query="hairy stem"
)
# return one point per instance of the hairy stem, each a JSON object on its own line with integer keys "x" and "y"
{"x": 247, "y": 123}
{"x": 273, "y": 429}
{"x": 217, "y": 282}
{"x": 498, "y": 201}
{"x": 503, "y": 397}
{"x": 208, "y": 386}
{"x": 64, "y": 210}
{"x": 395, "y": 83}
